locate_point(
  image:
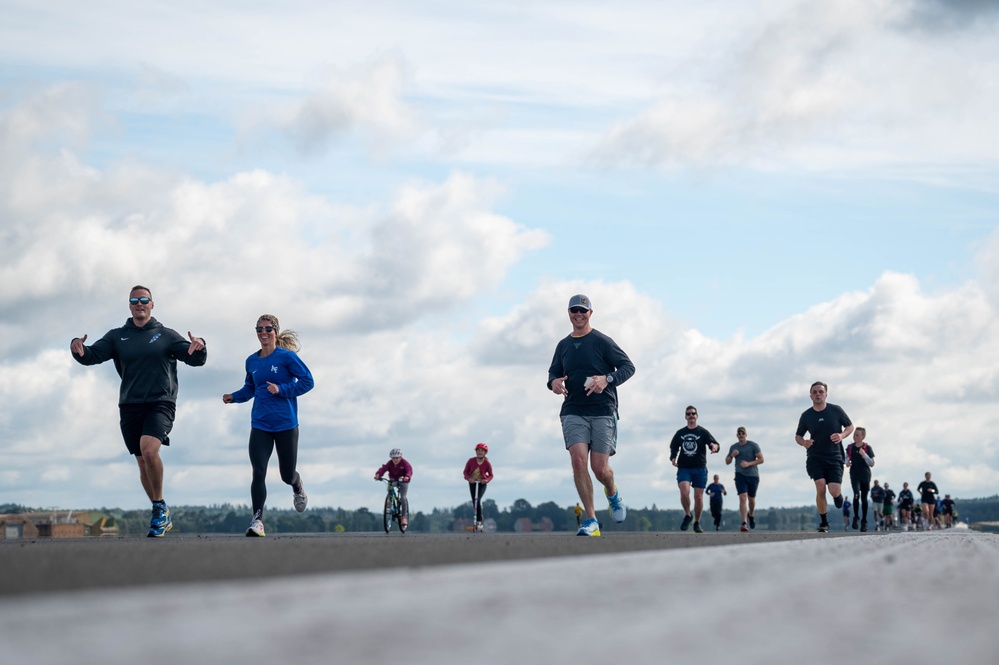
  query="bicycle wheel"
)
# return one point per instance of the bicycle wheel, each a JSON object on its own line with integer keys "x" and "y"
{"x": 387, "y": 516}
{"x": 398, "y": 517}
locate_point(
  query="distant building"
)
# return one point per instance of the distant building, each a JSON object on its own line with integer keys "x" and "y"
{"x": 525, "y": 525}
{"x": 57, "y": 524}
{"x": 465, "y": 524}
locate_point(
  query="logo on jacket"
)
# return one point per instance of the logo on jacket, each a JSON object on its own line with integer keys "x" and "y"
{"x": 155, "y": 337}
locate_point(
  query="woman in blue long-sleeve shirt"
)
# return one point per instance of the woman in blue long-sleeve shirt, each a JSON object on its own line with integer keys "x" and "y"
{"x": 275, "y": 377}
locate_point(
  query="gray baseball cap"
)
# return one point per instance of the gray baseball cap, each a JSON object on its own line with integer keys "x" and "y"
{"x": 579, "y": 300}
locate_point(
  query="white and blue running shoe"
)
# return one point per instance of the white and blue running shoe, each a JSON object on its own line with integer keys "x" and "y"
{"x": 617, "y": 509}
{"x": 590, "y": 527}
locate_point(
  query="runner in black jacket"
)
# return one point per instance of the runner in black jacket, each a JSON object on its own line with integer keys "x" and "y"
{"x": 145, "y": 354}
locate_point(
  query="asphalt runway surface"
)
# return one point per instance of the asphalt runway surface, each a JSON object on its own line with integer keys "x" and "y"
{"x": 52, "y": 565}
{"x": 760, "y": 597}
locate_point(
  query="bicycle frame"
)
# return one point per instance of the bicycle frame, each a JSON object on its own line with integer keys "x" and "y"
{"x": 393, "y": 506}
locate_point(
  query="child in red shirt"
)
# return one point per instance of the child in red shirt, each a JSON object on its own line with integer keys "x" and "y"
{"x": 478, "y": 472}
{"x": 399, "y": 471}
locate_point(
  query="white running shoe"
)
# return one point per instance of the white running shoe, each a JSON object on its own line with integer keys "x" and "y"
{"x": 591, "y": 527}
{"x": 301, "y": 498}
{"x": 617, "y": 509}
{"x": 256, "y": 528}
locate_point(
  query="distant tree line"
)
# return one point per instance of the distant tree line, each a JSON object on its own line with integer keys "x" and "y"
{"x": 229, "y": 518}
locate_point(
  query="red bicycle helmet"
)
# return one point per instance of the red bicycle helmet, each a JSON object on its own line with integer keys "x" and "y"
{"x": 482, "y": 446}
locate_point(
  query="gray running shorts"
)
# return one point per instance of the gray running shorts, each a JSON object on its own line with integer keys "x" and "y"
{"x": 598, "y": 432}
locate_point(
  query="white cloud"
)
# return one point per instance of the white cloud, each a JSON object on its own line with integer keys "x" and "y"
{"x": 367, "y": 100}
{"x": 826, "y": 86}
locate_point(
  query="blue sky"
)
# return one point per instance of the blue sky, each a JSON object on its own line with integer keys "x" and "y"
{"x": 755, "y": 195}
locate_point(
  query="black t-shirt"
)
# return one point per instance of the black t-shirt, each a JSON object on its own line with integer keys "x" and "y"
{"x": 905, "y": 497}
{"x": 889, "y": 496}
{"x": 877, "y": 493}
{"x": 858, "y": 467}
{"x": 689, "y": 447}
{"x": 928, "y": 491}
{"x": 821, "y": 425}
{"x": 593, "y": 354}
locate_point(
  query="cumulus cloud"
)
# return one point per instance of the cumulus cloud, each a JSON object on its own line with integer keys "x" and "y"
{"x": 823, "y": 86}
{"x": 367, "y": 101}
{"x": 948, "y": 16}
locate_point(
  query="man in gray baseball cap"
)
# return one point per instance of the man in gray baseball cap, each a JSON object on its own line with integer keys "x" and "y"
{"x": 585, "y": 371}
{"x": 580, "y": 300}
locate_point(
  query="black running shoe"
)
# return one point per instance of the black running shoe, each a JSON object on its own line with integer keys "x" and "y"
{"x": 752, "y": 521}
{"x": 685, "y": 524}
{"x": 697, "y": 528}
{"x": 838, "y": 501}
{"x": 823, "y": 528}
{"x": 856, "y": 523}
{"x": 863, "y": 525}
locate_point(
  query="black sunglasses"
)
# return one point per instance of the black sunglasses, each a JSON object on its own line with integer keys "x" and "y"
{"x": 263, "y": 328}
{"x": 691, "y": 413}
{"x": 136, "y": 301}
{"x": 578, "y": 310}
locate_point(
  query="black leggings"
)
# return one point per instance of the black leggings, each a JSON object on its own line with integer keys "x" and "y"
{"x": 716, "y": 512}
{"x": 861, "y": 487}
{"x": 477, "y": 504}
{"x": 262, "y": 444}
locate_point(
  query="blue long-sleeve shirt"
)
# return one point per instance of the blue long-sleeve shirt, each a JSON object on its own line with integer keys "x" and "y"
{"x": 283, "y": 368}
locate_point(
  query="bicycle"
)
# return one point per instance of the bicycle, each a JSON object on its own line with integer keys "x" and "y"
{"x": 393, "y": 506}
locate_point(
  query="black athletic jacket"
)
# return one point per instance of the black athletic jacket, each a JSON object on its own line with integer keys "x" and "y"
{"x": 146, "y": 360}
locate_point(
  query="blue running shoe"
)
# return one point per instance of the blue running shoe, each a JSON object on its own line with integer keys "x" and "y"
{"x": 590, "y": 527}
{"x": 161, "y": 522}
{"x": 617, "y": 509}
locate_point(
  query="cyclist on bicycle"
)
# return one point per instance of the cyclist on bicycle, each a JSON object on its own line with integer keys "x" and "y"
{"x": 399, "y": 471}
{"x": 478, "y": 472}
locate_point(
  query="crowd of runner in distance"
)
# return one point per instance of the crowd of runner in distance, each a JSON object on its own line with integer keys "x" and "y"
{"x": 900, "y": 511}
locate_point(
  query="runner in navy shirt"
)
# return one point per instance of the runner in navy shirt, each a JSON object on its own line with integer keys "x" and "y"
{"x": 716, "y": 491}
{"x": 585, "y": 371}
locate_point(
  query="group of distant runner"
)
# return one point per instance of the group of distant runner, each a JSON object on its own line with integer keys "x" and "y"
{"x": 586, "y": 369}
{"x": 934, "y": 511}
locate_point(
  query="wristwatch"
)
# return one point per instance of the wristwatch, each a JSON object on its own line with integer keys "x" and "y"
{"x": 610, "y": 378}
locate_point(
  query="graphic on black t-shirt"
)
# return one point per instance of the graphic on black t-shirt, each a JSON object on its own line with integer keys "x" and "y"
{"x": 689, "y": 447}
